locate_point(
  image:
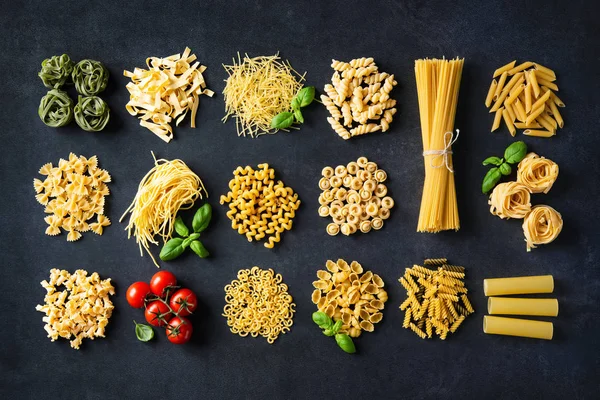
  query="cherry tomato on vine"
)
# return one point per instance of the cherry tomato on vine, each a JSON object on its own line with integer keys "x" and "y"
{"x": 161, "y": 281}
{"x": 136, "y": 294}
{"x": 179, "y": 330}
{"x": 183, "y": 302}
{"x": 157, "y": 313}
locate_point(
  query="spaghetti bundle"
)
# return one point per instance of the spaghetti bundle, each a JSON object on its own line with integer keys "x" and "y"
{"x": 168, "y": 187}
{"x": 438, "y": 82}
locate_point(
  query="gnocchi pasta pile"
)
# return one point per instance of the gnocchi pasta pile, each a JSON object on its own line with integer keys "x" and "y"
{"x": 81, "y": 310}
{"x": 73, "y": 194}
{"x": 355, "y": 197}
{"x": 260, "y": 208}
{"x": 347, "y": 293}
{"x": 358, "y": 98}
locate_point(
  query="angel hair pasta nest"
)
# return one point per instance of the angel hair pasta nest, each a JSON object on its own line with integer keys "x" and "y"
{"x": 258, "y": 303}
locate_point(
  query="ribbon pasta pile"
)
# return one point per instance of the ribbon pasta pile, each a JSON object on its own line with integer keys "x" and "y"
{"x": 73, "y": 193}
{"x": 542, "y": 223}
{"x": 258, "y": 303}
{"x": 259, "y": 208}
{"x": 166, "y": 91}
{"x": 358, "y": 98}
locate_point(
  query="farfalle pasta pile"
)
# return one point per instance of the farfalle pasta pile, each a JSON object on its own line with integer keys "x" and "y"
{"x": 355, "y": 197}
{"x": 259, "y": 207}
{"x": 347, "y": 293}
{"x": 358, "y": 98}
{"x": 73, "y": 194}
{"x": 81, "y": 310}
{"x": 258, "y": 303}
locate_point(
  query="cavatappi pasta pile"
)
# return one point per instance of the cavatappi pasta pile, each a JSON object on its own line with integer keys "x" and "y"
{"x": 347, "y": 293}
{"x": 259, "y": 207}
{"x": 73, "y": 194}
{"x": 258, "y": 303}
{"x": 355, "y": 197}
{"x": 525, "y": 101}
{"x": 541, "y": 224}
{"x": 358, "y": 98}
{"x": 81, "y": 310}
{"x": 436, "y": 299}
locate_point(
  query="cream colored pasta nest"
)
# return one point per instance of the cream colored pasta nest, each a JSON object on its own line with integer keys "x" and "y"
{"x": 510, "y": 200}
{"x": 354, "y": 197}
{"x": 80, "y": 310}
{"x": 73, "y": 194}
{"x": 537, "y": 173}
{"x": 436, "y": 298}
{"x": 358, "y": 98}
{"x": 348, "y": 293}
{"x": 542, "y": 226}
{"x": 258, "y": 303}
{"x": 259, "y": 207}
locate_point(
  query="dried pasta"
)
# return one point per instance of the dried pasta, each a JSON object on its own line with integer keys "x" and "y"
{"x": 56, "y": 109}
{"x": 537, "y": 173}
{"x": 55, "y": 71}
{"x": 347, "y": 293}
{"x": 91, "y": 113}
{"x": 541, "y": 226}
{"x": 258, "y": 89}
{"x": 355, "y": 197}
{"x": 73, "y": 194}
{"x": 80, "y": 310}
{"x": 436, "y": 298}
{"x": 258, "y": 303}
{"x": 260, "y": 208}
{"x": 170, "y": 186}
{"x": 90, "y": 77}
{"x": 510, "y": 200}
{"x": 358, "y": 98}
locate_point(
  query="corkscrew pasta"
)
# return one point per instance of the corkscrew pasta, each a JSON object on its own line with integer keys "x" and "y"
{"x": 259, "y": 208}
{"x": 537, "y": 173}
{"x": 541, "y": 226}
{"x": 510, "y": 200}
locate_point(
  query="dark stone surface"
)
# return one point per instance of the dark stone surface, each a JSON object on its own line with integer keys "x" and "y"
{"x": 392, "y": 362}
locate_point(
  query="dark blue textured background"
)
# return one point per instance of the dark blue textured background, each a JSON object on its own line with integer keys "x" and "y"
{"x": 392, "y": 362}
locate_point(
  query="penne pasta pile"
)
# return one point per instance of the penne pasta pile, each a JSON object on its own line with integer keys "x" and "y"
{"x": 524, "y": 97}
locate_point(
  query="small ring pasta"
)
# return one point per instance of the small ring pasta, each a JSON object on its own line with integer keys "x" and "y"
{"x": 352, "y": 219}
{"x": 371, "y": 167}
{"x": 375, "y": 200}
{"x": 362, "y": 162}
{"x": 370, "y": 185}
{"x": 372, "y": 210}
{"x": 324, "y": 211}
{"x": 377, "y": 223}
{"x": 345, "y": 229}
{"x": 327, "y": 172}
{"x": 380, "y": 175}
{"x": 353, "y": 197}
{"x": 324, "y": 184}
{"x": 364, "y": 175}
{"x": 384, "y": 213}
{"x": 365, "y": 226}
{"x": 335, "y": 210}
{"x": 352, "y": 168}
{"x": 333, "y": 229}
{"x": 336, "y": 181}
{"x": 356, "y": 209}
{"x": 340, "y": 171}
{"x": 365, "y": 195}
{"x": 381, "y": 190}
{"x": 387, "y": 202}
{"x": 347, "y": 180}
{"x": 341, "y": 194}
{"x": 357, "y": 184}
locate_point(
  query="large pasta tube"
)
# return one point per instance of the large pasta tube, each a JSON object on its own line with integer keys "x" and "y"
{"x": 518, "y": 285}
{"x": 518, "y": 327}
{"x": 516, "y": 306}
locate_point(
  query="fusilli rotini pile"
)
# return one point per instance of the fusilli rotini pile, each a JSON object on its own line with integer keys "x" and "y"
{"x": 73, "y": 194}
{"x": 258, "y": 304}
{"x": 259, "y": 208}
{"x": 348, "y": 293}
{"x": 436, "y": 299}
{"x": 355, "y": 197}
{"x": 358, "y": 98}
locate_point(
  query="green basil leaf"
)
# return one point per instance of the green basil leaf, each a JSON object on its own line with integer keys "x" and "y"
{"x": 322, "y": 319}
{"x": 172, "y": 249}
{"x": 345, "y": 343}
{"x": 505, "y": 169}
{"x": 282, "y": 120}
{"x": 515, "y": 152}
{"x": 295, "y": 103}
{"x": 186, "y": 243}
{"x": 299, "y": 116}
{"x": 337, "y": 326}
{"x": 490, "y": 179}
{"x": 180, "y": 227}
{"x": 329, "y": 332}
{"x": 198, "y": 248}
{"x": 143, "y": 332}
{"x": 306, "y": 95}
{"x": 194, "y": 236}
{"x": 202, "y": 218}
{"x": 497, "y": 161}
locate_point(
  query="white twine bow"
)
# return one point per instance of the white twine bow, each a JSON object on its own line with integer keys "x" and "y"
{"x": 449, "y": 140}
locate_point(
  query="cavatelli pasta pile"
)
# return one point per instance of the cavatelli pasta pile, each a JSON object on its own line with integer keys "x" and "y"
{"x": 258, "y": 89}
{"x": 436, "y": 299}
{"x": 259, "y": 208}
{"x": 168, "y": 187}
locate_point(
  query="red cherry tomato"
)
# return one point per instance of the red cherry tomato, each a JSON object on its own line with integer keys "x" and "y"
{"x": 179, "y": 330}
{"x": 184, "y": 302}
{"x": 136, "y": 294}
{"x": 157, "y": 313}
{"x": 161, "y": 281}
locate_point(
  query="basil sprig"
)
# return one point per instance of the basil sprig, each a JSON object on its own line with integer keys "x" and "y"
{"x": 332, "y": 329}
{"x": 176, "y": 246}
{"x": 512, "y": 155}
{"x": 143, "y": 332}
{"x": 285, "y": 119}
